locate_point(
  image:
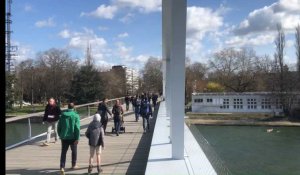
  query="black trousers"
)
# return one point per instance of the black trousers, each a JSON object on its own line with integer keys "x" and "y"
{"x": 104, "y": 121}
{"x": 64, "y": 149}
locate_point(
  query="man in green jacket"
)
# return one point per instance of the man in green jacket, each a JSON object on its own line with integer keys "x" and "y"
{"x": 69, "y": 132}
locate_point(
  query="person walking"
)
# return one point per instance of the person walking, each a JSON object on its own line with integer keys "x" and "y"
{"x": 154, "y": 99}
{"x": 145, "y": 111}
{"x": 51, "y": 116}
{"x": 118, "y": 112}
{"x": 103, "y": 110}
{"x": 137, "y": 106}
{"x": 95, "y": 134}
{"x": 127, "y": 101}
{"x": 69, "y": 133}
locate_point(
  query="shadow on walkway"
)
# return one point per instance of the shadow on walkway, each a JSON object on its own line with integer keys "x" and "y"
{"x": 140, "y": 158}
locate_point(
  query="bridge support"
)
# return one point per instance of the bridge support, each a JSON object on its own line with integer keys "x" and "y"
{"x": 174, "y": 37}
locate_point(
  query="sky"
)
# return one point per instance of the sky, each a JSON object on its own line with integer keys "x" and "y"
{"x": 128, "y": 32}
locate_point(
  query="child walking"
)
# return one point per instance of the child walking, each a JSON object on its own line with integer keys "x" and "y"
{"x": 95, "y": 134}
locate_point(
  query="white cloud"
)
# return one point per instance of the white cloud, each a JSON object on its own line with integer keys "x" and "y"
{"x": 123, "y": 35}
{"x": 80, "y": 41}
{"x": 127, "y": 18}
{"x": 265, "y": 19}
{"x": 290, "y": 43}
{"x": 27, "y": 8}
{"x": 24, "y": 52}
{"x": 103, "y": 11}
{"x": 45, "y": 23}
{"x": 145, "y": 6}
{"x": 251, "y": 40}
{"x": 123, "y": 51}
{"x": 65, "y": 33}
{"x": 200, "y": 21}
{"x": 103, "y": 28}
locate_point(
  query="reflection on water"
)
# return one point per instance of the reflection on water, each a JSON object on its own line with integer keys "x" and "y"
{"x": 247, "y": 150}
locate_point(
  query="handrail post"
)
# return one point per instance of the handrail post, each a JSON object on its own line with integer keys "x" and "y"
{"x": 89, "y": 111}
{"x": 29, "y": 128}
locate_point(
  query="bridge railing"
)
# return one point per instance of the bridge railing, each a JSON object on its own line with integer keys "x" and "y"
{"x": 17, "y": 126}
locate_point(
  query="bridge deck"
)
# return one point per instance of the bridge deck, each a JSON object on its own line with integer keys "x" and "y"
{"x": 123, "y": 154}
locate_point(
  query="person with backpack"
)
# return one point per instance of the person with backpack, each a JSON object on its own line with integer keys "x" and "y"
{"x": 95, "y": 134}
{"x": 154, "y": 99}
{"x": 103, "y": 110}
{"x": 145, "y": 111}
{"x": 118, "y": 112}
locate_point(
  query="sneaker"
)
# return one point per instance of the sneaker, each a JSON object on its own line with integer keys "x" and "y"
{"x": 62, "y": 171}
{"x": 99, "y": 169}
{"x": 90, "y": 169}
{"x": 75, "y": 167}
{"x": 46, "y": 144}
{"x": 117, "y": 134}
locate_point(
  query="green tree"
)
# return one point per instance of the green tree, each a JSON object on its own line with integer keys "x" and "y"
{"x": 86, "y": 86}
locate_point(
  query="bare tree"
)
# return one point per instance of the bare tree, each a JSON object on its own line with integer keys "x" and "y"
{"x": 194, "y": 78}
{"x": 152, "y": 75}
{"x": 297, "y": 46}
{"x": 234, "y": 69}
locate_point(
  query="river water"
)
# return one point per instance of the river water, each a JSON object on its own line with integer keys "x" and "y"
{"x": 251, "y": 150}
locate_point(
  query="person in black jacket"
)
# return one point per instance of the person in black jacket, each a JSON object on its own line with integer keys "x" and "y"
{"x": 51, "y": 116}
{"x": 103, "y": 110}
{"x": 118, "y": 112}
{"x": 127, "y": 101}
{"x": 95, "y": 134}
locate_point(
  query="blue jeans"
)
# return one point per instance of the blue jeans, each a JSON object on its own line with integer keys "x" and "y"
{"x": 146, "y": 119}
{"x": 117, "y": 122}
{"x": 137, "y": 116}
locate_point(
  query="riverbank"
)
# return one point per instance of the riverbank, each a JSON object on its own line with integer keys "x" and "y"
{"x": 239, "y": 120}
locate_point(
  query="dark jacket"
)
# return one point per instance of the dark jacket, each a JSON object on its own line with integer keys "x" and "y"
{"x": 146, "y": 108}
{"x": 127, "y": 99}
{"x": 95, "y": 133}
{"x": 103, "y": 110}
{"x": 117, "y": 111}
{"x": 52, "y": 113}
{"x": 69, "y": 125}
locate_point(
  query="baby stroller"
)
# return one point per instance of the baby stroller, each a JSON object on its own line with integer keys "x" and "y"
{"x": 122, "y": 127}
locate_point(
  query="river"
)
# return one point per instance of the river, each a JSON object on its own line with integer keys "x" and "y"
{"x": 251, "y": 150}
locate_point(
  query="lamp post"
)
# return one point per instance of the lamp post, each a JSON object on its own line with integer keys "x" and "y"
{"x": 32, "y": 88}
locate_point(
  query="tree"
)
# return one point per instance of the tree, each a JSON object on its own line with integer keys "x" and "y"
{"x": 234, "y": 69}
{"x": 57, "y": 67}
{"x": 152, "y": 75}
{"x": 297, "y": 46}
{"x": 194, "y": 78}
{"x": 10, "y": 80}
{"x": 284, "y": 81}
{"x": 214, "y": 87}
{"x": 86, "y": 85}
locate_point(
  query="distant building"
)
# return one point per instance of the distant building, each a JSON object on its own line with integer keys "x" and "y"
{"x": 130, "y": 76}
{"x": 231, "y": 102}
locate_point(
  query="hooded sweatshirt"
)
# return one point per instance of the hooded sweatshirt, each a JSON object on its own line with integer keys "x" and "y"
{"x": 69, "y": 125}
{"x": 95, "y": 132}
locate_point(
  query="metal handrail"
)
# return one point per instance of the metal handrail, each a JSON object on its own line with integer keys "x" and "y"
{"x": 40, "y": 114}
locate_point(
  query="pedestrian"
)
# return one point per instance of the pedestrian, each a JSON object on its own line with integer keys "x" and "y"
{"x": 154, "y": 99}
{"x": 51, "y": 116}
{"x": 127, "y": 101}
{"x": 103, "y": 110}
{"x": 69, "y": 133}
{"x": 146, "y": 112}
{"x": 132, "y": 101}
{"x": 95, "y": 134}
{"x": 137, "y": 106}
{"x": 118, "y": 112}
